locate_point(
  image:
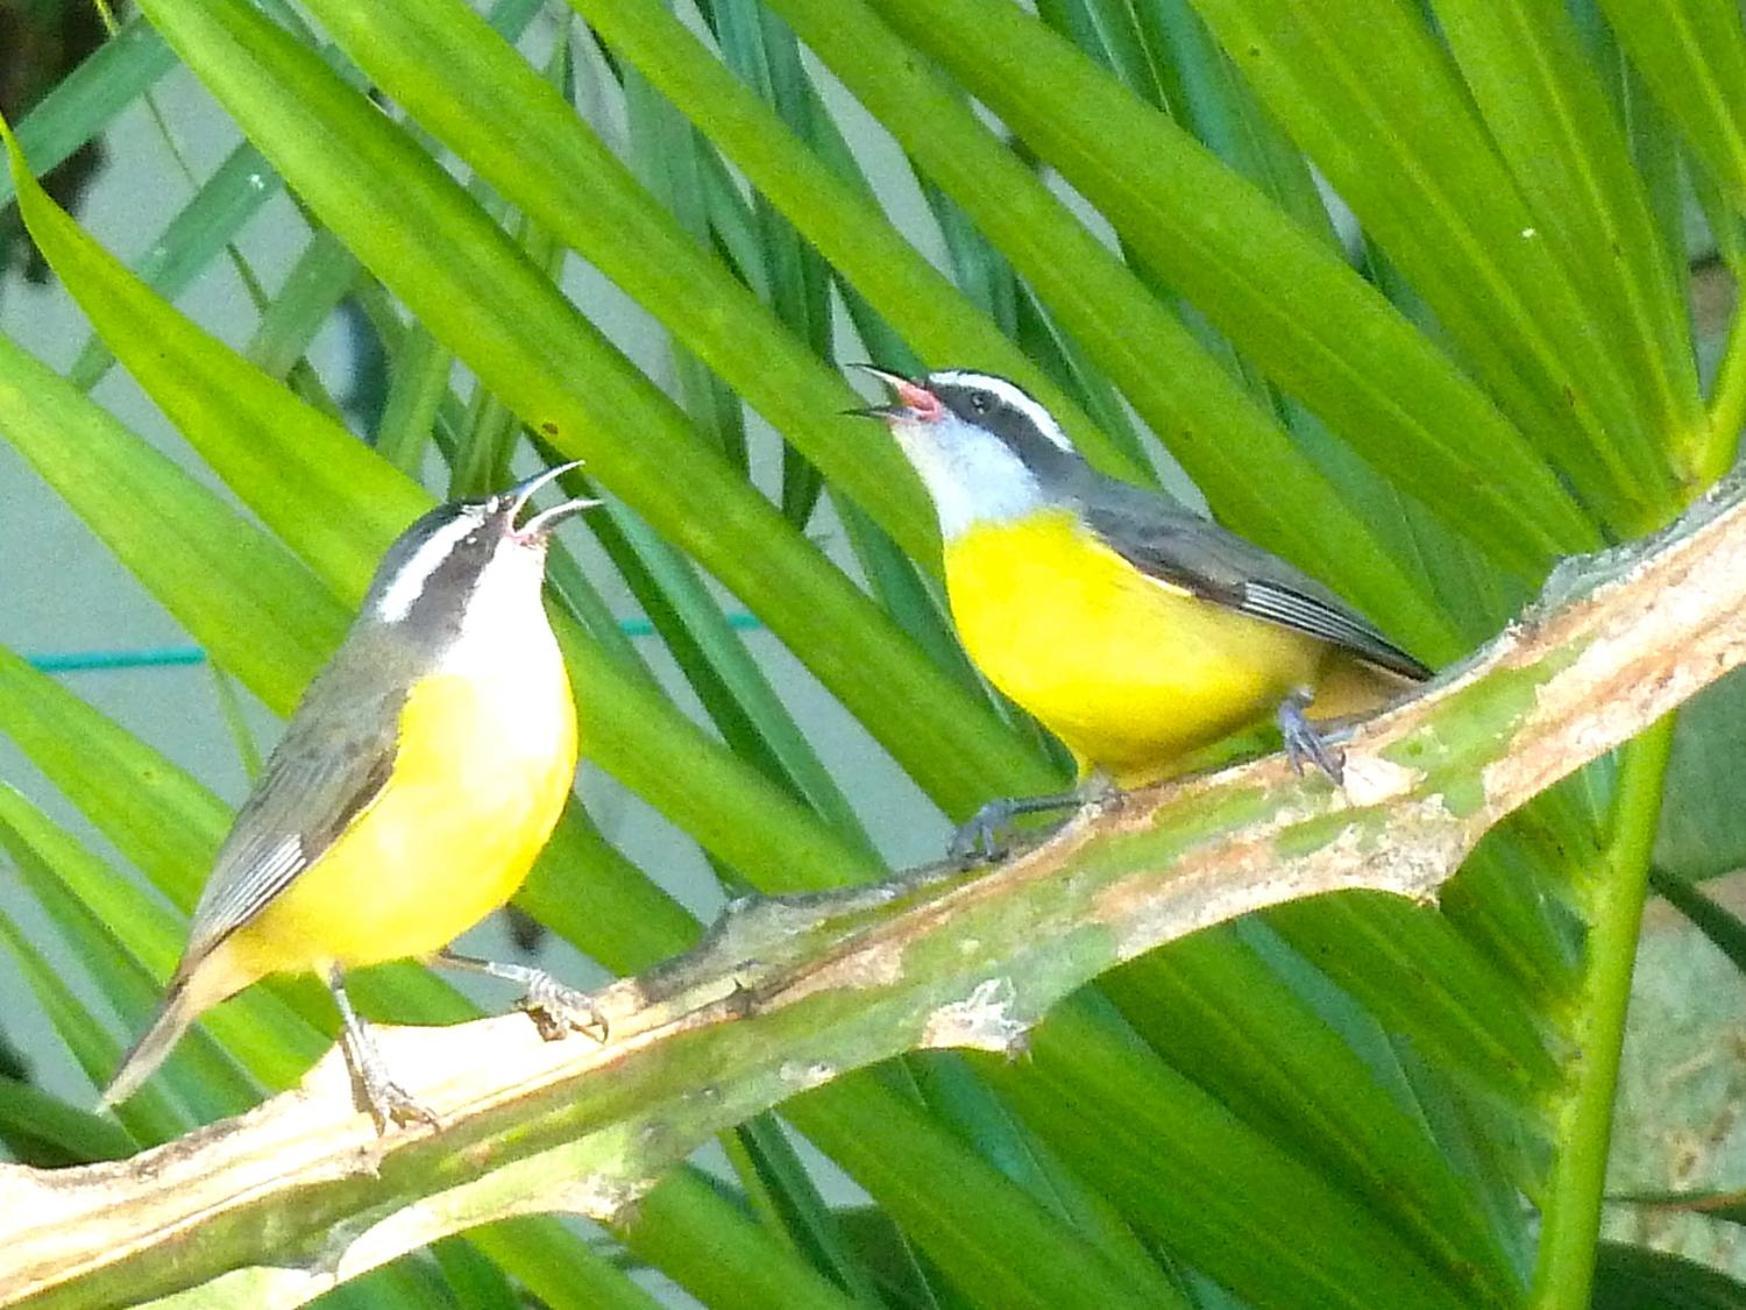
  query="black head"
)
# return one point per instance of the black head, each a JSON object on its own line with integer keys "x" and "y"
{"x": 429, "y": 577}
{"x": 1011, "y": 413}
{"x": 992, "y": 404}
{"x": 985, "y": 449}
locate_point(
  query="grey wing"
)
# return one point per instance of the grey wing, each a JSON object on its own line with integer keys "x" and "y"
{"x": 328, "y": 768}
{"x": 1197, "y": 555}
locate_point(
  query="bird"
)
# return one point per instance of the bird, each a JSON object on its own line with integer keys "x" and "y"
{"x": 418, "y": 778}
{"x": 1133, "y": 629}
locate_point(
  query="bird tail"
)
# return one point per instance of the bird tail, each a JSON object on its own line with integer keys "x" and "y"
{"x": 200, "y": 982}
{"x": 145, "y": 1055}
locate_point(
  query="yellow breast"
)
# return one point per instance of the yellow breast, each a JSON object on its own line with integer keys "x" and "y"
{"x": 483, "y": 769}
{"x": 1128, "y": 672}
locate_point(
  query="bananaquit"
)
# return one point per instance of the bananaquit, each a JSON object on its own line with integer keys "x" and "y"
{"x": 1134, "y": 630}
{"x": 421, "y": 774}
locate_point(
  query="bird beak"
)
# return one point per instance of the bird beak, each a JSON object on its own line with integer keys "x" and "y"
{"x": 541, "y": 524}
{"x": 912, "y": 401}
{"x": 517, "y": 497}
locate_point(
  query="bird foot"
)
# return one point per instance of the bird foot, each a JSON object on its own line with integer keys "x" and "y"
{"x": 558, "y": 1010}
{"x": 390, "y": 1104}
{"x": 976, "y": 841}
{"x": 979, "y": 841}
{"x": 1304, "y": 743}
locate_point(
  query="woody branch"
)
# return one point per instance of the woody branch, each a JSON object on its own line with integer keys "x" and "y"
{"x": 786, "y": 995}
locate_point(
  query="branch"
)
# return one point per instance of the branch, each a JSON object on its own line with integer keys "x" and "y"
{"x": 784, "y": 995}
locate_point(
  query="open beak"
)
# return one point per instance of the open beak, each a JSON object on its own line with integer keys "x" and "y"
{"x": 541, "y": 524}
{"x": 910, "y": 400}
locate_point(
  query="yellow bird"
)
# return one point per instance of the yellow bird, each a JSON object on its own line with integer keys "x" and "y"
{"x": 1132, "y": 629}
{"x": 421, "y": 774}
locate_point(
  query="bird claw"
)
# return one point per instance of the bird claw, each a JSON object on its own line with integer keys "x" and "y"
{"x": 558, "y": 1010}
{"x": 977, "y": 840}
{"x": 1304, "y": 744}
{"x": 391, "y": 1105}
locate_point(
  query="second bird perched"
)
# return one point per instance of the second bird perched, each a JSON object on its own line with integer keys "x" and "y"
{"x": 422, "y": 772}
{"x": 1134, "y": 630}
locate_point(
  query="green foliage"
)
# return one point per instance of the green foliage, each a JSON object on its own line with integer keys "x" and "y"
{"x": 1353, "y": 1104}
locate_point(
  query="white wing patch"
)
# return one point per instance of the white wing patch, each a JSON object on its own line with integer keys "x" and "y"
{"x": 287, "y": 855}
{"x": 1308, "y": 614}
{"x": 235, "y": 903}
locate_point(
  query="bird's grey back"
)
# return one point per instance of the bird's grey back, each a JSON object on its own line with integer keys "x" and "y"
{"x": 336, "y": 755}
{"x": 1163, "y": 538}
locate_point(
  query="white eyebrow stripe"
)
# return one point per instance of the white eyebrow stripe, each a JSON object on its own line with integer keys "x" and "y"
{"x": 1012, "y": 394}
{"x": 408, "y": 584}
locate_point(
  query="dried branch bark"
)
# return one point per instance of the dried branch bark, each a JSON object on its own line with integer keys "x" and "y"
{"x": 788, "y": 994}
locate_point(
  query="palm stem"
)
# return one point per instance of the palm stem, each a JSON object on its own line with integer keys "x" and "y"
{"x": 1614, "y": 910}
{"x": 1727, "y": 404}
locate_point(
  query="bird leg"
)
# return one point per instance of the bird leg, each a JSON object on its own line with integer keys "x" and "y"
{"x": 1303, "y": 741}
{"x": 979, "y": 837}
{"x": 554, "y": 1008}
{"x": 387, "y": 1101}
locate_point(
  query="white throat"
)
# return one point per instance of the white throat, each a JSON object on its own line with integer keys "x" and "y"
{"x": 505, "y": 626}
{"x": 509, "y": 658}
{"x": 969, "y": 474}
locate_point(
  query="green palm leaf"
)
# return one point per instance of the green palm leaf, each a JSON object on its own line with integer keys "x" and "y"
{"x": 1124, "y": 204}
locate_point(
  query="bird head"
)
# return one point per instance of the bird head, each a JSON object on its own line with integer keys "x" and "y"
{"x": 467, "y": 551}
{"x": 985, "y": 449}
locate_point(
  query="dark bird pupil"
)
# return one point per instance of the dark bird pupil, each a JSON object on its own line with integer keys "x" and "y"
{"x": 979, "y": 404}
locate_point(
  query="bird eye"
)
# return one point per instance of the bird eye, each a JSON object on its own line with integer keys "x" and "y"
{"x": 979, "y": 403}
